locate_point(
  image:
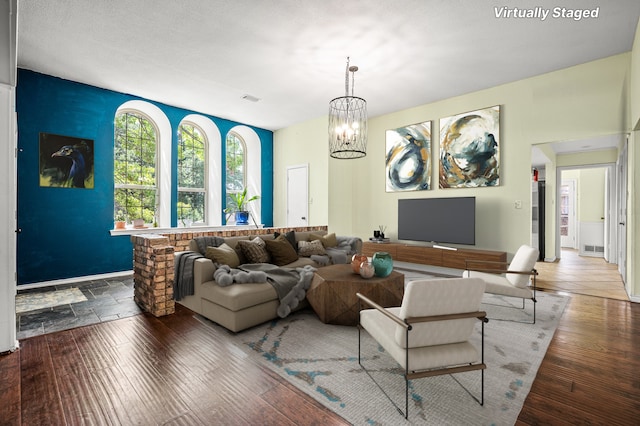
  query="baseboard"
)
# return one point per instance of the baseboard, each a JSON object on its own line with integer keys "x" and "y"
{"x": 75, "y": 280}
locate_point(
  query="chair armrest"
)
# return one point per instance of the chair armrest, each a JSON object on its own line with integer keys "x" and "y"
{"x": 495, "y": 270}
{"x": 481, "y": 315}
{"x": 382, "y": 310}
{"x": 493, "y": 265}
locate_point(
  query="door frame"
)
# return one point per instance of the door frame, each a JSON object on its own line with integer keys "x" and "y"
{"x": 304, "y": 200}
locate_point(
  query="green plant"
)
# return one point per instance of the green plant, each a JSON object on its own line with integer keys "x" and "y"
{"x": 120, "y": 216}
{"x": 239, "y": 201}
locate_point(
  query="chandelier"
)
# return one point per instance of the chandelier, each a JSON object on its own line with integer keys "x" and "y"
{"x": 348, "y": 122}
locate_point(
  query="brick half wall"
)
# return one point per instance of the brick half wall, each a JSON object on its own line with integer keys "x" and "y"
{"x": 153, "y": 263}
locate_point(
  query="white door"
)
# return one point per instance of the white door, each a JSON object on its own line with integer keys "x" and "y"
{"x": 568, "y": 214}
{"x": 298, "y": 195}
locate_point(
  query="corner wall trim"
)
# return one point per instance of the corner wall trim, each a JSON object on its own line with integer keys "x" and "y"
{"x": 75, "y": 279}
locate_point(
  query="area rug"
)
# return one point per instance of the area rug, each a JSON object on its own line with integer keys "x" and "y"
{"x": 28, "y": 302}
{"x": 322, "y": 361}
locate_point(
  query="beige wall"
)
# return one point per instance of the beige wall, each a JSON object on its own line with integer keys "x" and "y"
{"x": 304, "y": 143}
{"x": 556, "y": 106}
{"x": 580, "y": 102}
{"x": 633, "y": 202}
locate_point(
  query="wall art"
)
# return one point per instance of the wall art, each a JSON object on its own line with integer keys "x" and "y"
{"x": 469, "y": 149}
{"x": 408, "y": 158}
{"x": 65, "y": 161}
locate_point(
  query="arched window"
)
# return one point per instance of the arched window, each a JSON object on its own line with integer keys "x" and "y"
{"x": 135, "y": 164}
{"x": 236, "y": 176}
{"x": 192, "y": 174}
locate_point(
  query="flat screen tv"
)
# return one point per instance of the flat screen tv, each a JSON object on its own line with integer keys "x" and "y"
{"x": 438, "y": 220}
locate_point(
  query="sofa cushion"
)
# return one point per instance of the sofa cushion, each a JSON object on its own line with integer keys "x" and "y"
{"x": 309, "y": 248}
{"x": 328, "y": 240}
{"x": 290, "y": 236}
{"x": 255, "y": 250}
{"x": 238, "y": 296}
{"x": 302, "y": 262}
{"x": 281, "y": 251}
{"x": 223, "y": 255}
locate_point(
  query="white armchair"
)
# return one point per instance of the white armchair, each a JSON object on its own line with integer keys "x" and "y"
{"x": 516, "y": 279}
{"x": 428, "y": 335}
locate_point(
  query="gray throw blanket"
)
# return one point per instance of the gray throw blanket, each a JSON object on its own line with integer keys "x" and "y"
{"x": 290, "y": 284}
{"x": 183, "y": 276}
{"x": 204, "y": 242}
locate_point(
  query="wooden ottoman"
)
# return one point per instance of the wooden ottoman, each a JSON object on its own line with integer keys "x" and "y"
{"x": 332, "y": 293}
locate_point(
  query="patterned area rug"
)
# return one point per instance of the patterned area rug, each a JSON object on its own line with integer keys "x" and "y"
{"x": 28, "y": 302}
{"x": 322, "y": 360}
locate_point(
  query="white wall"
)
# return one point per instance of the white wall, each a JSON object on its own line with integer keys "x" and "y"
{"x": 8, "y": 10}
{"x": 7, "y": 220}
{"x": 576, "y": 103}
{"x": 633, "y": 202}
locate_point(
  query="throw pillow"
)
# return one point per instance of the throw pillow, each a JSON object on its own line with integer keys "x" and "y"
{"x": 328, "y": 240}
{"x": 204, "y": 242}
{"x": 291, "y": 237}
{"x": 254, "y": 252}
{"x": 281, "y": 251}
{"x": 309, "y": 248}
{"x": 223, "y": 255}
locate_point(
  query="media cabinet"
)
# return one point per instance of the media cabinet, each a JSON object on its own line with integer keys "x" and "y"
{"x": 432, "y": 256}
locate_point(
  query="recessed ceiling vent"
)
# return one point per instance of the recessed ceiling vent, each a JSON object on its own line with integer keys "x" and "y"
{"x": 250, "y": 98}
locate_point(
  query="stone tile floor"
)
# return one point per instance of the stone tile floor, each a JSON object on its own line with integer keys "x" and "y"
{"x": 105, "y": 300}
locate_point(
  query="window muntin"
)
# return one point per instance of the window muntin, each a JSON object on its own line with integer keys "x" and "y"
{"x": 135, "y": 158}
{"x": 236, "y": 172}
{"x": 192, "y": 174}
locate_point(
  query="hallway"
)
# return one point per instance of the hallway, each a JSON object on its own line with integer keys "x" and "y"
{"x": 591, "y": 276}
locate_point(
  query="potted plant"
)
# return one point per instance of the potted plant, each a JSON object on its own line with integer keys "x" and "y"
{"x": 120, "y": 220}
{"x": 238, "y": 206}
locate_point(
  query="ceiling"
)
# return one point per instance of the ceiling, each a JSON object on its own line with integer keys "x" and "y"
{"x": 205, "y": 55}
{"x": 601, "y": 143}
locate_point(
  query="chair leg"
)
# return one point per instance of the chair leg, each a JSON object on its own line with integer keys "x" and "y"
{"x": 482, "y": 388}
{"x": 359, "y": 345}
{"x": 406, "y": 397}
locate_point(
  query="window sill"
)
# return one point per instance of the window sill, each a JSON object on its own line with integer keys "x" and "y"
{"x": 130, "y": 230}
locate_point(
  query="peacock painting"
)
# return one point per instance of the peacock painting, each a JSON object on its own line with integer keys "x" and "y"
{"x": 66, "y": 161}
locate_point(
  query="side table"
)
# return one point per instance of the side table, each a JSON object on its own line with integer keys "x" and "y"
{"x": 332, "y": 293}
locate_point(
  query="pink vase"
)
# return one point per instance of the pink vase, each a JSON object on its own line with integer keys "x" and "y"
{"x": 366, "y": 269}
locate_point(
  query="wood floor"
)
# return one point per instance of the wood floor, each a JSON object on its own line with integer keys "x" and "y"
{"x": 169, "y": 371}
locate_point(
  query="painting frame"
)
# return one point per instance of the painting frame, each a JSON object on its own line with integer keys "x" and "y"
{"x": 65, "y": 161}
{"x": 470, "y": 149}
{"x": 408, "y": 152}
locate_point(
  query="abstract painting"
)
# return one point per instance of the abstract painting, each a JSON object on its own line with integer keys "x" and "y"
{"x": 408, "y": 159}
{"x": 469, "y": 149}
{"x": 65, "y": 161}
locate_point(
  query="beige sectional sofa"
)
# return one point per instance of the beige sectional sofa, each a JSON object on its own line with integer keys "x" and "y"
{"x": 242, "y": 305}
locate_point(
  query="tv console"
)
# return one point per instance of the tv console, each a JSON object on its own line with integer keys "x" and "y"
{"x": 431, "y": 255}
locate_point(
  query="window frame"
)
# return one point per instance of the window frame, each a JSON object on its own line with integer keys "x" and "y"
{"x": 156, "y": 186}
{"x": 206, "y": 175}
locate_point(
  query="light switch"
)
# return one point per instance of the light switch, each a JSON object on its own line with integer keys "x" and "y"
{"x": 518, "y": 204}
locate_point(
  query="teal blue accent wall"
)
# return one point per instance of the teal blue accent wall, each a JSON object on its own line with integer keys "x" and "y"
{"x": 64, "y": 232}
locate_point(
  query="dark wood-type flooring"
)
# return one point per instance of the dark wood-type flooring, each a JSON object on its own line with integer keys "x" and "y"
{"x": 169, "y": 371}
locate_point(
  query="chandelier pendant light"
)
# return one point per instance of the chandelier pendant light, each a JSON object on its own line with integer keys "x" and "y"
{"x": 348, "y": 122}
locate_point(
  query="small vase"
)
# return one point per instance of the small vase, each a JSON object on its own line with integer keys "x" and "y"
{"x": 356, "y": 260}
{"x": 383, "y": 264}
{"x": 366, "y": 269}
{"x": 242, "y": 218}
